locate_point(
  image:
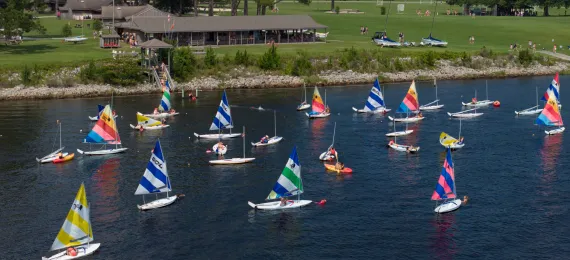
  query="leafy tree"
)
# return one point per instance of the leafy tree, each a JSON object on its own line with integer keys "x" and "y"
{"x": 66, "y": 30}
{"x": 305, "y": 2}
{"x": 97, "y": 25}
{"x": 16, "y": 18}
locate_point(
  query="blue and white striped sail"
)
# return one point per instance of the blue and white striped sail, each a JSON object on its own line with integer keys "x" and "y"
{"x": 155, "y": 178}
{"x": 165, "y": 101}
{"x": 289, "y": 183}
{"x": 375, "y": 98}
{"x": 223, "y": 118}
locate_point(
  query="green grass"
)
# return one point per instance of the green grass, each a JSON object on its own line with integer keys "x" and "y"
{"x": 496, "y": 33}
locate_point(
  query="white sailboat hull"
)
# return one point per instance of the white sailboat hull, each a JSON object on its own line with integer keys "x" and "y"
{"x": 321, "y": 115}
{"x": 272, "y": 140}
{"x": 481, "y": 103}
{"x": 276, "y": 205}
{"x": 326, "y": 156}
{"x": 434, "y": 107}
{"x": 220, "y": 151}
{"x": 303, "y": 107}
{"x": 529, "y": 112}
{"x": 83, "y": 250}
{"x": 406, "y": 119}
{"x": 555, "y": 131}
{"x": 103, "y": 152}
{"x": 454, "y": 146}
{"x": 161, "y": 115}
{"x": 404, "y": 148}
{"x": 218, "y": 136}
{"x": 380, "y": 110}
{"x": 464, "y": 115}
{"x": 159, "y": 203}
{"x": 158, "y": 127}
{"x": 448, "y": 206}
{"x": 400, "y": 133}
{"x": 50, "y": 157}
{"x": 231, "y": 161}
{"x": 95, "y": 118}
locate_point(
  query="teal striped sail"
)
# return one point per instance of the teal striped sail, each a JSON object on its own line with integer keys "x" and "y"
{"x": 289, "y": 183}
{"x": 165, "y": 102}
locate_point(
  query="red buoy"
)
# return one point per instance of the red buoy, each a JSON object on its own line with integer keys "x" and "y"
{"x": 496, "y": 103}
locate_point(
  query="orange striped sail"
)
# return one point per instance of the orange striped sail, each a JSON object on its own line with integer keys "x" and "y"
{"x": 410, "y": 102}
{"x": 105, "y": 130}
{"x": 318, "y": 106}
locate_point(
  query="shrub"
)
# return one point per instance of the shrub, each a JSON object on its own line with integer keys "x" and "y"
{"x": 301, "y": 66}
{"x": 525, "y": 57}
{"x": 97, "y": 25}
{"x": 465, "y": 59}
{"x": 337, "y": 9}
{"x": 184, "y": 64}
{"x": 270, "y": 60}
{"x": 88, "y": 73}
{"x": 243, "y": 58}
{"x": 382, "y": 10}
{"x": 122, "y": 71}
{"x": 66, "y": 30}
{"x": 210, "y": 60}
{"x": 26, "y": 76}
{"x": 428, "y": 58}
{"x": 350, "y": 59}
{"x": 398, "y": 66}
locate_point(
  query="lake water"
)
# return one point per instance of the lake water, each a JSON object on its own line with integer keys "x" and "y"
{"x": 515, "y": 177}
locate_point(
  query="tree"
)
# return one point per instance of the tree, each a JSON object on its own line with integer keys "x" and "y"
{"x": 195, "y": 7}
{"x": 235, "y": 5}
{"x": 211, "y": 8}
{"x": 16, "y": 18}
{"x": 306, "y": 2}
{"x": 332, "y": 5}
{"x": 245, "y": 8}
{"x": 66, "y": 30}
{"x": 97, "y": 25}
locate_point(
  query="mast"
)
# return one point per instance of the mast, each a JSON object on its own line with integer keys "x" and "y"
{"x": 486, "y": 91}
{"x": 113, "y": 117}
{"x": 433, "y": 19}
{"x": 325, "y": 98}
{"x": 243, "y": 137}
{"x": 334, "y": 132}
{"x": 536, "y": 97}
{"x": 434, "y": 80}
{"x": 395, "y": 136}
{"x": 459, "y": 129}
{"x": 274, "y": 121}
{"x": 59, "y": 134}
{"x": 387, "y": 14}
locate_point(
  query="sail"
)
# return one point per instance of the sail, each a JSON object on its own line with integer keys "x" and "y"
{"x": 105, "y": 130}
{"x": 99, "y": 110}
{"x": 550, "y": 115}
{"x": 223, "y": 118}
{"x": 445, "y": 187}
{"x": 446, "y": 139}
{"x": 289, "y": 183}
{"x": 76, "y": 229}
{"x": 375, "y": 98}
{"x": 146, "y": 121}
{"x": 155, "y": 178}
{"x": 410, "y": 102}
{"x": 318, "y": 105}
{"x": 165, "y": 101}
{"x": 554, "y": 88}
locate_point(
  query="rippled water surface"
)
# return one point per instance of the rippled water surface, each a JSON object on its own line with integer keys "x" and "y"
{"x": 515, "y": 176}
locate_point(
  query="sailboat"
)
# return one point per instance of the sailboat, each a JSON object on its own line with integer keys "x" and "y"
{"x": 319, "y": 109}
{"x": 327, "y": 155}
{"x": 76, "y": 231}
{"x": 273, "y": 140}
{"x": 104, "y": 132}
{"x": 289, "y": 184}
{"x": 465, "y": 113}
{"x": 434, "y": 105}
{"x": 222, "y": 120}
{"x": 449, "y": 142}
{"x": 147, "y": 123}
{"x": 445, "y": 188}
{"x": 381, "y": 38}
{"x": 531, "y": 110}
{"x": 100, "y": 109}
{"x": 400, "y": 133}
{"x": 409, "y": 104}
{"x": 53, "y": 155}
{"x": 375, "y": 102}
{"x": 234, "y": 160}
{"x": 304, "y": 105}
{"x": 165, "y": 108}
{"x": 479, "y": 103}
{"x": 555, "y": 89}
{"x": 155, "y": 180}
{"x": 402, "y": 148}
{"x": 430, "y": 41}
{"x": 551, "y": 116}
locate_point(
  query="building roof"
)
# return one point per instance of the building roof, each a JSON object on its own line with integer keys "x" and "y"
{"x": 126, "y": 12}
{"x": 155, "y": 44}
{"x": 221, "y": 23}
{"x": 85, "y": 5}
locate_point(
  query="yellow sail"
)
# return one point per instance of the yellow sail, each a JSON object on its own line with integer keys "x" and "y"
{"x": 446, "y": 140}
{"x": 76, "y": 229}
{"x": 146, "y": 121}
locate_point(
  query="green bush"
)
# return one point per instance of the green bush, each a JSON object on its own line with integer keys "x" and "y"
{"x": 428, "y": 59}
{"x": 89, "y": 73}
{"x": 301, "y": 66}
{"x": 243, "y": 58}
{"x": 270, "y": 60}
{"x": 398, "y": 66}
{"x": 66, "y": 30}
{"x": 97, "y": 25}
{"x": 122, "y": 72}
{"x": 465, "y": 59}
{"x": 184, "y": 64}
{"x": 525, "y": 57}
{"x": 210, "y": 59}
{"x": 26, "y": 76}
{"x": 337, "y": 9}
{"x": 382, "y": 10}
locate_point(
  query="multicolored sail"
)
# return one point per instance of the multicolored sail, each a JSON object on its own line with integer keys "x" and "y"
{"x": 155, "y": 178}
{"x": 165, "y": 101}
{"x": 445, "y": 187}
{"x": 289, "y": 183}
{"x": 105, "y": 130}
{"x": 554, "y": 88}
{"x": 550, "y": 115}
{"x": 76, "y": 229}
{"x": 410, "y": 102}
{"x": 146, "y": 121}
{"x": 375, "y": 98}
{"x": 223, "y": 118}
{"x": 446, "y": 140}
{"x": 99, "y": 110}
{"x": 318, "y": 105}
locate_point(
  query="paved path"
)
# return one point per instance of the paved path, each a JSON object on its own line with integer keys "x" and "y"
{"x": 557, "y": 55}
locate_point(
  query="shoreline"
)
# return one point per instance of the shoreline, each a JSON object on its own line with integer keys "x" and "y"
{"x": 443, "y": 71}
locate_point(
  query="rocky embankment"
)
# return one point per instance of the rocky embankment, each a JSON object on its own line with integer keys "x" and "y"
{"x": 443, "y": 70}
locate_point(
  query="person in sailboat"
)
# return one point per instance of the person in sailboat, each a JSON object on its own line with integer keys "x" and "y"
{"x": 172, "y": 111}
{"x": 465, "y": 200}
{"x": 220, "y": 147}
{"x": 332, "y": 152}
{"x": 339, "y": 166}
{"x": 327, "y": 109}
{"x": 283, "y": 202}
{"x": 265, "y": 139}
{"x": 420, "y": 115}
{"x": 71, "y": 251}
{"x": 155, "y": 111}
{"x": 460, "y": 140}
{"x": 60, "y": 155}
{"x": 474, "y": 101}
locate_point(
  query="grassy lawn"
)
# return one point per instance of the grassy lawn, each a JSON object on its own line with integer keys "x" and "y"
{"x": 496, "y": 33}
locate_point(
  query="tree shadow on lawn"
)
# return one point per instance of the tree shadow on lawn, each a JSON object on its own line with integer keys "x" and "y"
{"x": 26, "y": 49}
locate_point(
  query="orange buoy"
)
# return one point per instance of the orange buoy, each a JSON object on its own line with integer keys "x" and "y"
{"x": 496, "y": 103}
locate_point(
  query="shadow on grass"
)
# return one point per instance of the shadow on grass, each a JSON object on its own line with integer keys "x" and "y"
{"x": 26, "y": 49}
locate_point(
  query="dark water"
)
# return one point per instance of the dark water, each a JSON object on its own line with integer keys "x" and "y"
{"x": 515, "y": 176}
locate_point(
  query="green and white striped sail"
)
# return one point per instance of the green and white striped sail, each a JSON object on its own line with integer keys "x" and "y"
{"x": 165, "y": 102}
{"x": 289, "y": 183}
{"x": 76, "y": 229}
